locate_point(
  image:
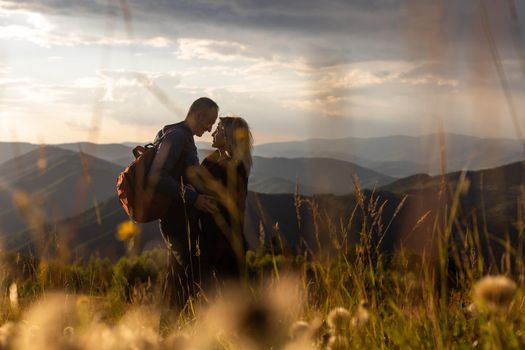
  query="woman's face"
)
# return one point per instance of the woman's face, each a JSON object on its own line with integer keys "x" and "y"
{"x": 219, "y": 138}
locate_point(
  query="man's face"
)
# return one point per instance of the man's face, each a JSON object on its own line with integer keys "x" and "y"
{"x": 206, "y": 121}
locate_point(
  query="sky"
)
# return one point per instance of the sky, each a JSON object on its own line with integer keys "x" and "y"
{"x": 118, "y": 70}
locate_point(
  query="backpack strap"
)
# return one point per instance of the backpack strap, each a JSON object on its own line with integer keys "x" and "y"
{"x": 139, "y": 150}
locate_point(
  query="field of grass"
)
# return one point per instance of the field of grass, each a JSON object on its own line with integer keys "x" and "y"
{"x": 348, "y": 296}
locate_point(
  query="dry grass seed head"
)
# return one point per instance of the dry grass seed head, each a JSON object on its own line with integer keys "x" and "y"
{"x": 338, "y": 319}
{"x": 494, "y": 293}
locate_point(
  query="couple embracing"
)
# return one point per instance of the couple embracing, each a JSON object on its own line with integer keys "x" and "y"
{"x": 203, "y": 225}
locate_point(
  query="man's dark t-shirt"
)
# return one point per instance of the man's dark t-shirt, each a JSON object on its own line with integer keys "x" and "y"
{"x": 175, "y": 154}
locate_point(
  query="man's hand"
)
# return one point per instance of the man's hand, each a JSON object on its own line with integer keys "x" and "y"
{"x": 205, "y": 203}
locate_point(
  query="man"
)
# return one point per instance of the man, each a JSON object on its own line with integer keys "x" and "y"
{"x": 176, "y": 153}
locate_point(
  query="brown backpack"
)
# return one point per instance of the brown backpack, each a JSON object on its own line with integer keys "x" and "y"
{"x": 136, "y": 191}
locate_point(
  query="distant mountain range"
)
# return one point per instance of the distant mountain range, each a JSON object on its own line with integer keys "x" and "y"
{"x": 55, "y": 190}
{"x": 394, "y": 156}
{"x": 111, "y": 152}
{"x": 269, "y": 175}
{"x": 56, "y": 187}
{"x": 400, "y": 156}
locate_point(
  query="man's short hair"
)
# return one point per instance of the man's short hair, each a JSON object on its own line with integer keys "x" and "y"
{"x": 202, "y": 103}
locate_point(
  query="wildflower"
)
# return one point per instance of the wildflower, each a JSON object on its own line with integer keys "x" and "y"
{"x": 338, "y": 319}
{"x": 362, "y": 315}
{"x": 299, "y": 330}
{"x": 494, "y": 294}
{"x": 127, "y": 230}
{"x": 337, "y": 342}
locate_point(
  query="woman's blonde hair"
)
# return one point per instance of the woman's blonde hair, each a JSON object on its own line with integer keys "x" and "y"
{"x": 239, "y": 140}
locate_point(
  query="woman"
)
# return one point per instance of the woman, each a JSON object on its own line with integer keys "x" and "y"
{"x": 224, "y": 174}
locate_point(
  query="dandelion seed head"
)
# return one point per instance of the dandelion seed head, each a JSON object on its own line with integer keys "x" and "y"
{"x": 299, "y": 330}
{"x": 258, "y": 320}
{"x": 494, "y": 293}
{"x": 46, "y": 320}
{"x": 338, "y": 319}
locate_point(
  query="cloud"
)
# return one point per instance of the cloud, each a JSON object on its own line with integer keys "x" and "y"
{"x": 78, "y": 126}
{"x": 372, "y": 19}
{"x": 341, "y": 90}
{"x": 211, "y": 50}
{"x": 343, "y": 59}
{"x": 22, "y": 91}
{"x": 47, "y": 31}
{"x": 326, "y": 33}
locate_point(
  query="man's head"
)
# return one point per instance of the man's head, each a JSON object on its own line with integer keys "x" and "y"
{"x": 202, "y": 115}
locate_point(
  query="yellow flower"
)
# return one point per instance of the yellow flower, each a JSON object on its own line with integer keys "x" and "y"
{"x": 127, "y": 230}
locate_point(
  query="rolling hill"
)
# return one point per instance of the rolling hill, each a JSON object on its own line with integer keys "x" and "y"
{"x": 50, "y": 184}
{"x": 10, "y": 150}
{"x": 112, "y": 152}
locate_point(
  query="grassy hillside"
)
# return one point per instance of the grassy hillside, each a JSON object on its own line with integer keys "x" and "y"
{"x": 50, "y": 184}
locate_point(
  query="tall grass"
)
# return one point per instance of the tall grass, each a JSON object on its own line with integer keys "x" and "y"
{"x": 403, "y": 300}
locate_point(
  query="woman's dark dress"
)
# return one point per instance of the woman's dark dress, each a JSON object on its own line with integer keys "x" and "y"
{"x": 222, "y": 240}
